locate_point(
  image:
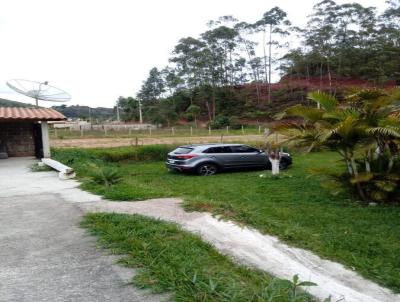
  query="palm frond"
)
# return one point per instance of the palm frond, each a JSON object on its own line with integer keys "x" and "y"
{"x": 342, "y": 114}
{"x": 384, "y": 131}
{"x": 307, "y": 113}
{"x": 327, "y": 101}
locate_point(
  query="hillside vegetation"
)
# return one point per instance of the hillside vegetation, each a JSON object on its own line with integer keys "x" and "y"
{"x": 86, "y": 112}
{"x": 8, "y": 103}
{"x": 225, "y": 74}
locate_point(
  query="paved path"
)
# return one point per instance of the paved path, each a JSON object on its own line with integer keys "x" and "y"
{"x": 48, "y": 257}
{"x": 44, "y": 255}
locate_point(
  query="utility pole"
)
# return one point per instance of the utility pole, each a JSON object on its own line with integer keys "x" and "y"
{"x": 118, "y": 112}
{"x": 140, "y": 112}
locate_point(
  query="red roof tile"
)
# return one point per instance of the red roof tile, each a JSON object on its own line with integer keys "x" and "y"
{"x": 36, "y": 114}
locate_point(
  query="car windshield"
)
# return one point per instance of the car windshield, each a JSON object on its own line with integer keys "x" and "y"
{"x": 182, "y": 150}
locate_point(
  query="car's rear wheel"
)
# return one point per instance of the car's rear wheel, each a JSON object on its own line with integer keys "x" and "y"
{"x": 207, "y": 169}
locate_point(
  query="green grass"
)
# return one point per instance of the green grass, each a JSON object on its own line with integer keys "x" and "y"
{"x": 173, "y": 261}
{"x": 296, "y": 209}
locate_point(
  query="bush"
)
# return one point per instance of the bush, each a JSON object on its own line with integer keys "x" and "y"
{"x": 36, "y": 167}
{"x": 106, "y": 176}
{"x": 219, "y": 122}
{"x": 115, "y": 154}
{"x": 153, "y": 152}
{"x": 141, "y": 153}
{"x": 222, "y": 121}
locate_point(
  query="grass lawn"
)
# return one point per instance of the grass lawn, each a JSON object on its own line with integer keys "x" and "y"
{"x": 174, "y": 261}
{"x": 296, "y": 208}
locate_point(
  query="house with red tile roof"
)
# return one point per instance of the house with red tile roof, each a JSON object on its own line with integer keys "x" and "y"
{"x": 25, "y": 131}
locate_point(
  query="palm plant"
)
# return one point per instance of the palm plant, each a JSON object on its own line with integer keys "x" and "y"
{"x": 364, "y": 127}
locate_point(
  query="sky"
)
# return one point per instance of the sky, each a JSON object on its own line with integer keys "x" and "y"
{"x": 98, "y": 50}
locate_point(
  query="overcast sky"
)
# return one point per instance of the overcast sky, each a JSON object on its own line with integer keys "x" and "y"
{"x": 98, "y": 50}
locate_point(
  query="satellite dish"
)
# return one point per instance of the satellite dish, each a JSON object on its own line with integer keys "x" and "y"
{"x": 39, "y": 91}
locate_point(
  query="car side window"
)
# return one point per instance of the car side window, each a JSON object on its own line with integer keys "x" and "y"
{"x": 226, "y": 150}
{"x": 218, "y": 150}
{"x": 211, "y": 150}
{"x": 243, "y": 149}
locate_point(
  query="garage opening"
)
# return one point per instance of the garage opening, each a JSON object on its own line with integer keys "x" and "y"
{"x": 24, "y": 131}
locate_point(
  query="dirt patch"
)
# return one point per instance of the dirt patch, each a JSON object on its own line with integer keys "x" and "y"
{"x": 117, "y": 142}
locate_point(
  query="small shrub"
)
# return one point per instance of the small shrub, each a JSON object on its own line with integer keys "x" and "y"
{"x": 116, "y": 154}
{"x": 39, "y": 168}
{"x": 106, "y": 176}
{"x": 220, "y": 121}
{"x": 153, "y": 152}
{"x": 140, "y": 153}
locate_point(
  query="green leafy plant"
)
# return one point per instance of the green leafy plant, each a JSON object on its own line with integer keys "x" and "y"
{"x": 219, "y": 122}
{"x": 364, "y": 129}
{"x": 39, "y": 168}
{"x": 294, "y": 289}
{"x": 104, "y": 175}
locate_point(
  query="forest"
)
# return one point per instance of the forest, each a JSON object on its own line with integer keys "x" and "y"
{"x": 226, "y": 74}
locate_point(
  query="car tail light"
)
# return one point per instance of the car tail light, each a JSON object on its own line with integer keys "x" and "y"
{"x": 186, "y": 156}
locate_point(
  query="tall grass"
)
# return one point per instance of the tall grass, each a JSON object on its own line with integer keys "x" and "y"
{"x": 118, "y": 154}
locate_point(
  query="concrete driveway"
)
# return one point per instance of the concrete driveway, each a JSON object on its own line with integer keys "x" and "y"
{"x": 44, "y": 254}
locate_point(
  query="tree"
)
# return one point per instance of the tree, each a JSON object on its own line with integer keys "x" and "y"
{"x": 194, "y": 110}
{"x": 364, "y": 130}
{"x": 171, "y": 79}
{"x": 163, "y": 113}
{"x": 153, "y": 87}
{"x": 190, "y": 61}
{"x": 130, "y": 108}
{"x": 274, "y": 22}
{"x": 222, "y": 70}
{"x": 253, "y": 62}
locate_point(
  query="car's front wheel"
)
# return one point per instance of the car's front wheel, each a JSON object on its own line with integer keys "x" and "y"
{"x": 283, "y": 165}
{"x": 207, "y": 169}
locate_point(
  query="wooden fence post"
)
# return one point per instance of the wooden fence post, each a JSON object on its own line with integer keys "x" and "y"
{"x": 259, "y": 129}
{"x": 227, "y": 129}
{"x": 222, "y": 138}
{"x": 81, "y": 128}
{"x": 191, "y": 130}
{"x": 209, "y": 130}
{"x": 242, "y": 130}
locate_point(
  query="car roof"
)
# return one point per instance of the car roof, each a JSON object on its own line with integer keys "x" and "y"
{"x": 209, "y": 145}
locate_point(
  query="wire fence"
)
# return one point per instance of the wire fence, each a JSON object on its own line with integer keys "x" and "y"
{"x": 129, "y": 132}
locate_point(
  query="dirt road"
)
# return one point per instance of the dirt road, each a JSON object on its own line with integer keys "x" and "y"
{"x": 116, "y": 142}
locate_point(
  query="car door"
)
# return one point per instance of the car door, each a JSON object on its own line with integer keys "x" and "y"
{"x": 249, "y": 157}
{"x": 223, "y": 156}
